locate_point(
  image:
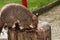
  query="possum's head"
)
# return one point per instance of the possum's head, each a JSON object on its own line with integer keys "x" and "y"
{"x": 34, "y": 21}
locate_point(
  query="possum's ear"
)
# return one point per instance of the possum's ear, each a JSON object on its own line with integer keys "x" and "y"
{"x": 37, "y": 14}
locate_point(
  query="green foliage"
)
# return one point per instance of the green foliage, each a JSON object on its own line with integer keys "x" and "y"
{"x": 32, "y": 4}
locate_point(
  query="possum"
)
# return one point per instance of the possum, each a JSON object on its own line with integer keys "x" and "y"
{"x": 16, "y": 13}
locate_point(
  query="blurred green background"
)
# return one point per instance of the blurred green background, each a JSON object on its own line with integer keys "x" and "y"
{"x": 32, "y": 4}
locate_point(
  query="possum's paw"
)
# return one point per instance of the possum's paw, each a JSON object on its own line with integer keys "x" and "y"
{"x": 31, "y": 26}
{"x": 21, "y": 27}
{"x": 13, "y": 26}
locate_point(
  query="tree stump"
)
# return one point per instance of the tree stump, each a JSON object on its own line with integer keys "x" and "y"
{"x": 42, "y": 34}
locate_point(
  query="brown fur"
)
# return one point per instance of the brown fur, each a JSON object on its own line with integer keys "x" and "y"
{"x": 12, "y": 13}
{"x": 1, "y": 24}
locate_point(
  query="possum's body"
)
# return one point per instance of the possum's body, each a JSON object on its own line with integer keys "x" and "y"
{"x": 12, "y": 13}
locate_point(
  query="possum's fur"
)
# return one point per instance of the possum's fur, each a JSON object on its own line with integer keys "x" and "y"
{"x": 13, "y": 13}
